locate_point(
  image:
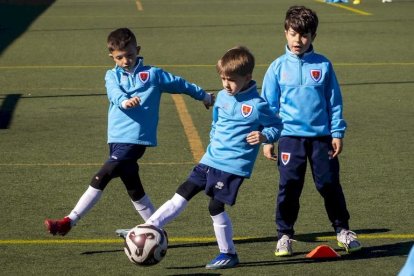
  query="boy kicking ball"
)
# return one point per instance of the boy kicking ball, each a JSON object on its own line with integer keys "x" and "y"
{"x": 241, "y": 122}
{"x": 134, "y": 92}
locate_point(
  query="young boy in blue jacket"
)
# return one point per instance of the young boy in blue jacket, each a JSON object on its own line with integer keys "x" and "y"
{"x": 301, "y": 87}
{"x": 242, "y": 120}
{"x": 134, "y": 91}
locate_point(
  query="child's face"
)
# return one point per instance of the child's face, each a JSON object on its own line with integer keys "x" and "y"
{"x": 127, "y": 57}
{"x": 233, "y": 84}
{"x": 298, "y": 43}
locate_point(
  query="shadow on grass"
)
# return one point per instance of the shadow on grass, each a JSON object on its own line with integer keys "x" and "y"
{"x": 372, "y": 252}
{"x": 316, "y": 237}
{"x": 16, "y": 16}
{"x": 7, "y": 108}
{"x": 384, "y": 250}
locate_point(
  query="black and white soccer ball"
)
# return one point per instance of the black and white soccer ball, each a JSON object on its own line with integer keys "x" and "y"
{"x": 146, "y": 245}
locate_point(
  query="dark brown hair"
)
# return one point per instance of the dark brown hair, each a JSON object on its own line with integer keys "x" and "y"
{"x": 120, "y": 39}
{"x": 302, "y": 20}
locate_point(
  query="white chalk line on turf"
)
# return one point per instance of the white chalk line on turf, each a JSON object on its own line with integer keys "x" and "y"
{"x": 192, "y": 239}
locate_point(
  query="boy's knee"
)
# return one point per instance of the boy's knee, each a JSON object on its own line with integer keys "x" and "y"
{"x": 188, "y": 190}
{"x": 215, "y": 207}
{"x": 104, "y": 175}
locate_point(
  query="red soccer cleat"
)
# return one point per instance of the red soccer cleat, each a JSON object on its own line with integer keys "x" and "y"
{"x": 61, "y": 227}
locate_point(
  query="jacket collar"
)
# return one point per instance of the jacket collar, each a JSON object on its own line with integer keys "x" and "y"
{"x": 245, "y": 93}
{"x": 139, "y": 63}
{"x": 292, "y": 56}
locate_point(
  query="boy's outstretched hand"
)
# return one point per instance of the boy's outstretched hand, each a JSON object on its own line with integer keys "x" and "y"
{"x": 209, "y": 100}
{"x": 269, "y": 152}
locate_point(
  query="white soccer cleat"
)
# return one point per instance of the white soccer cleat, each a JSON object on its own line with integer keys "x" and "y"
{"x": 348, "y": 240}
{"x": 284, "y": 247}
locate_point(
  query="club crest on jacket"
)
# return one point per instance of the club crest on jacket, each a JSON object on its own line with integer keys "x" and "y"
{"x": 144, "y": 76}
{"x": 246, "y": 110}
{"x": 316, "y": 74}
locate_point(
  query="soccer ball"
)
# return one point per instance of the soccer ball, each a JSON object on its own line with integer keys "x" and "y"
{"x": 146, "y": 245}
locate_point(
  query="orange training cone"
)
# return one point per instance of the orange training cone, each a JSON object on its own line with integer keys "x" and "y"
{"x": 322, "y": 252}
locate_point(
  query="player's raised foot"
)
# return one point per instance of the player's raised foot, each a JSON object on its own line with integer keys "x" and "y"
{"x": 122, "y": 233}
{"x": 223, "y": 260}
{"x": 348, "y": 240}
{"x": 284, "y": 247}
{"x": 58, "y": 227}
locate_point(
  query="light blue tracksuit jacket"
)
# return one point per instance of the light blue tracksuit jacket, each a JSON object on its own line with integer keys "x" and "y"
{"x": 138, "y": 125}
{"x": 304, "y": 92}
{"x": 234, "y": 117}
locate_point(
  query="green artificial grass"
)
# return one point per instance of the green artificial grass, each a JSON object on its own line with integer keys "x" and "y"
{"x": 54, "y": 113}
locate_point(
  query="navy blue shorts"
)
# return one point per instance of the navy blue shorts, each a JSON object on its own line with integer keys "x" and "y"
{"x": 122, "y": 152}
{"x": 219, "y": 185}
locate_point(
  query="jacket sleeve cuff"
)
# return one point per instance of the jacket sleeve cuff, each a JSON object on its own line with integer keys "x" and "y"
{"x": 123, "y": 104}
{"x": 339, "y": 135}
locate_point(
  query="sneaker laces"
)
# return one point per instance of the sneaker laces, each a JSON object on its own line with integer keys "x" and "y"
{"x": 349, "y": 236}
{"x": 285, "y": 243}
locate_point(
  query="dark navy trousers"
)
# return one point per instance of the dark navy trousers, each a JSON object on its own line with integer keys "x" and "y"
{"x": 293, "y": 155}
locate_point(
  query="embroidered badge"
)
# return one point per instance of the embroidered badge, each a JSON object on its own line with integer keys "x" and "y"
{"x": 246, "y": 110}
{"x": 285, "y": 157}
{"x": 143, "y": 76}
{"x": 316, "y": 74}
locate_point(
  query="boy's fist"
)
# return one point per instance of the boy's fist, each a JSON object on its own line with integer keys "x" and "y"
{"x": 132, "y": 102}
{"x": 209, "y": 100}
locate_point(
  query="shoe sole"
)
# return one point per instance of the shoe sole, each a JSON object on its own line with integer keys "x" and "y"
{"x": 347, "y": 249}
{"x": 122, "y": 233}
{"x": 48, "y": 226}
{"x": 212, "y": 267}
{"x": 283, "y": 254}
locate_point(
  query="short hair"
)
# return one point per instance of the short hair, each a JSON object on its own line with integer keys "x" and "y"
{"x": 301, "y": 20}
{"x": 120, "y": 39}
{"x": 238, "y": 60}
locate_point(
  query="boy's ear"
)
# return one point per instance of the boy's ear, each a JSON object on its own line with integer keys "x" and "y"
{"x": 110, "y": 55}
{"x": 313, "y": 37}
{"x": 138, "y": 49}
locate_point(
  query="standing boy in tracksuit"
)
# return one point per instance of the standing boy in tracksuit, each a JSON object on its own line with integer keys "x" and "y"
{"x": 301, "y": 87}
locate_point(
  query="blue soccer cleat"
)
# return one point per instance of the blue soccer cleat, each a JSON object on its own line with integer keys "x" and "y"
{"x": 223, "y": 260}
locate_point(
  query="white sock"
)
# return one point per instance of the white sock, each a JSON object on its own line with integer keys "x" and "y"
{"x": 85, "y": 203}
{"x": 224, "y": 233}
{"x": 168, "y": 211}
{"x": 144, "y": 207}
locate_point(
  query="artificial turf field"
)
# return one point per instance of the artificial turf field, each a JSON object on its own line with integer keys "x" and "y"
{"x": 53, "y": 109}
